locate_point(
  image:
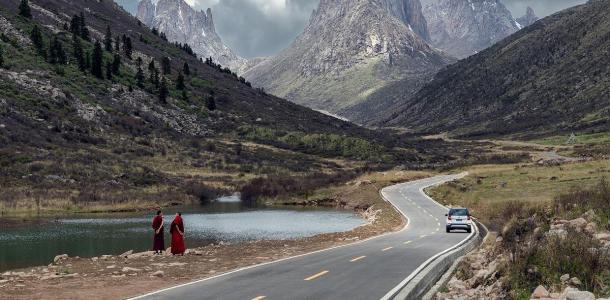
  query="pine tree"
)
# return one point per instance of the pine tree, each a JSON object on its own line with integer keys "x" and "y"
{"x": 24, "y": 9}
{"x": 97, "y": 60}
{"x": 163, "y": 91}
{"x": 127, "y": 46}
{"x": 84, "y": 31}
{"x": 140, "y": 77}
{"x": 117, "y": 44}
{"x": 75, "y": 25}
{"x": 37, "y": 41}
{"x": 180, "y": 82}
{"x": 108, "y": 39}
{"x": 185, "y": 95}
{"x": 109, "y": 71}
{"x": 210, "y": 103}
{"x": 57, "y": 55}
{"x": 186, "y": 69}
{"x": 116, "y": 64}
{"x": 1, "y": 57}
{"x": 88, "y": 60}
{"x": 77, "y": 50}
{"x": 166, "y": 66}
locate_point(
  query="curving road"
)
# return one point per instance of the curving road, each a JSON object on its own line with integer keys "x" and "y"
{"x": 371, "y": 269}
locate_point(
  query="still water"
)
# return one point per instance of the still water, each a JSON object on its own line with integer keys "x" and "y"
{"x": 224, "y": 220}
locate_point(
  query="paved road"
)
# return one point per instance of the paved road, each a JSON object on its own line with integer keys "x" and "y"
{"x": 364, "y": 270}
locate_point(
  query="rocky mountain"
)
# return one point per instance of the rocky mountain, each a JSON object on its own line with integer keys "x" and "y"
{"x": 465, "y": 27}
{"x": 529, "y": 18}
{"x": 183, "y": 24}
{"x": 349, "y": 50}
{"x": 550, "y": 77}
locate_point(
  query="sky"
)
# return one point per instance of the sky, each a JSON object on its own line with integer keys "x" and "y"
{"x": 255, "y": 28}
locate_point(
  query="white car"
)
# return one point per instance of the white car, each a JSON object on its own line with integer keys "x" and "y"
{"x": 459, "y": 218}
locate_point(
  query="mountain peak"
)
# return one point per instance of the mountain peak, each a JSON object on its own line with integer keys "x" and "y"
{"x": 183, "y": 24}
{"x": 529, "y": 18}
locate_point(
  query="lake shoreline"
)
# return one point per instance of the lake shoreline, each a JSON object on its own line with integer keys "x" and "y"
{"x": 117, "y": 277}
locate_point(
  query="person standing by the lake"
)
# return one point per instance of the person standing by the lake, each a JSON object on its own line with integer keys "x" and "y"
{"x": 177, "y": 231}
{"x": 158, "y": 241}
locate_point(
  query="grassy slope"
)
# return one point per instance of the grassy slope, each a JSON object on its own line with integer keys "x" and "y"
{"x": 548, "y": 77}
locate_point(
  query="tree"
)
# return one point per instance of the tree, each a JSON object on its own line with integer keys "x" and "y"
{"x": 75, "y": 25}
{"x": 117, "y": 44}
{"x": 84, "y": 31}
{"x": 57, "y": 55}
{"x": 88, "y": 60}
{"x": 210, "y": 103}
{"x": 116, "y": 64}
{"x": 24, "y": 9}
{"x": 180, "y": 82}
{"x": 154, "y": 73}
{"x": 109, "y": 71}
{"x": 186, "y": 69}
{"x": 140, "y": 77}
{"x": 1, "y": 57}
{"x": 37, "y": 41}
{"x": 97, "y": 61}
{"x": 166, "y": 66}
{"x": 127, "y": 46}
{"x": 163, "y": 91}
{"x": 108, "y": 39}
{"x": 77, "y": 50}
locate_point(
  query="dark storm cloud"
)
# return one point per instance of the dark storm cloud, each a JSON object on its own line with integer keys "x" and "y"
{"x": 264, "y": 27}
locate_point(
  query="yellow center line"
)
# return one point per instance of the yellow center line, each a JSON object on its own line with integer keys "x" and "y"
{"x": 407, "y": 242}
{"x": 259, "y": 298}
{"x": 312, "y": 277}
{"x": 357, "y": 258}
{"x": 386, "y": 249}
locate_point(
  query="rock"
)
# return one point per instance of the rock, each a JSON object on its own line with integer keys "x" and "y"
{"x": 540, "y": 292}
{"x": 106, "y": 257}
{"x": 59, "y": 258}
{"x": 141, "y": 254}
{"x": 94, "y": 259}
{"x": 559, "y": 233}
{"x": 177, "y": 264}
{"x": 499, "y": 239}
{"x": 575, "y": 281}
{"x": 580, "y": 295}
{"x": 126, "y": 254}
{"x": 604, "y": 236}
{"x": 578, "y": 223}
{"x": 589, "y": 215}
{"x": 111, "y": 267}
{"x": 591, "y": 228}
{"x": 128, "y": 269}
{"x": 564, "y": 278}
{"x": 158, "y": 274}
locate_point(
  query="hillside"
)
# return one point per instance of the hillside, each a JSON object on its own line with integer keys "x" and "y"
{"x": 89, "y": 122}
{"x": 349, "y": 50}
{"x": 550, "y": 77}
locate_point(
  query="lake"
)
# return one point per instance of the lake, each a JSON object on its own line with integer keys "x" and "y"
{"x": 226, "y": 220}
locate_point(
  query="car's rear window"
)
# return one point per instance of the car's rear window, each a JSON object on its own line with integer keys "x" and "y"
{"x": 458, "y": 212}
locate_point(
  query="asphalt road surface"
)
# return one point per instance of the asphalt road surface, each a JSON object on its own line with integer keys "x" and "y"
{"x": 369, "y": 269}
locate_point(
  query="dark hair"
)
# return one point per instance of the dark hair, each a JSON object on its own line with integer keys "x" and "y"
{"x": 158, "y": 212}
{"x": 180, "y": 214}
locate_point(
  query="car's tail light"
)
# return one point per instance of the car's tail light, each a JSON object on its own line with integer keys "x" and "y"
{"x": 449, "y": 217}
{"x": 468, "y": 217}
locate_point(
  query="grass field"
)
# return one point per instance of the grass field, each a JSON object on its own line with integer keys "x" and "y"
{"x": 487, "y": 188}
{"x": 582, "y": 139}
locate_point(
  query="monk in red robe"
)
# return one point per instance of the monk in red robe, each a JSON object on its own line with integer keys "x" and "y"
{"x": 177, "y": 231}
{"x": 158, "y": 241}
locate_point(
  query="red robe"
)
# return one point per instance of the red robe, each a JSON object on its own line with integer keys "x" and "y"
{"x": 158, "y": 241}
{"x": 178, "y": 246}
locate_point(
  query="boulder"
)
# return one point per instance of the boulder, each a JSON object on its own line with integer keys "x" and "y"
{"x": 589, "y": 215}
{"x": 575, "y": 281}
{"x": 580, "y": 295}
{"x": 604, "y": 236}
{"x": 158, "y": 274}
{"x": 564, "y": 278}
{"x": 579, "y": 223}
{"x": 60, "y": 257}
{"x": 126, "y": 254}
{"x": 111, "y": 267}
{"x": 540, "y": 292}
{"x": 591, "y": 228}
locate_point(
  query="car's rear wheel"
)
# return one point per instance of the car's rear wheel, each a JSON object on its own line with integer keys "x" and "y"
{"x": 448, "y": 229}
{"x": 469, "y": 230}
